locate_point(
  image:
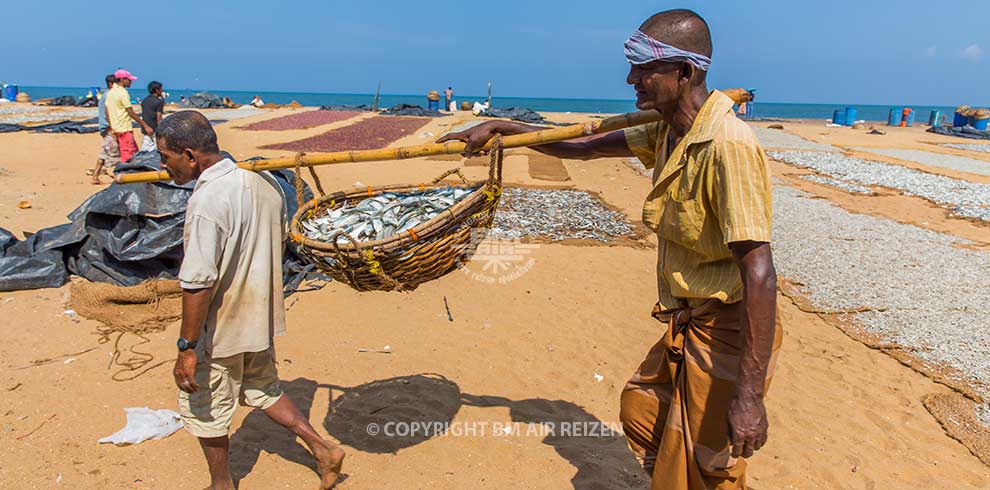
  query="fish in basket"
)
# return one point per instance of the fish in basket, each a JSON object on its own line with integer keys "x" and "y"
{"x": 394, "y": 238}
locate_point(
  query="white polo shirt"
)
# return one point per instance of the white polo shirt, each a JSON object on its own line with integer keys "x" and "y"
{"x": 233, "y": 239}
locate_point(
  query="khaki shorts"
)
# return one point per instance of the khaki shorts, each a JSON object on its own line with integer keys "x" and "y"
{"x": 250, "y": 377}
{"x": 109, "y": 151}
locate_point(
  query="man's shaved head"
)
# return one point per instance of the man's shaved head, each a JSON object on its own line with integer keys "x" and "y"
{"x": 187, "y": 130}
{"x": 680, "y": 28}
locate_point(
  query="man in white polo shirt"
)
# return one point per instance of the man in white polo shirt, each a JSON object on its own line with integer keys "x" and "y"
{"x": 231, "y": 278}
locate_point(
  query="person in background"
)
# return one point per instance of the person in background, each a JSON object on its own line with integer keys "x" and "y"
{"x": 257, "y": 102}
{"x": 448, "y": 95}
{"x": 152, "y": 112}
{"x": 232, "y": 307}
{"x": 120, "y": 114}
{"x": 109, "y": 151}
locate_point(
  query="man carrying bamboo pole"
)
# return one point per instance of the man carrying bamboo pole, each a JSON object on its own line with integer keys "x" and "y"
{"x": 695, "y": 406}
{"x": 231, "y": 278}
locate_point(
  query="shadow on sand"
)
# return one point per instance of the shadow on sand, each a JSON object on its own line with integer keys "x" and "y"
{"x": 603, "y": 461}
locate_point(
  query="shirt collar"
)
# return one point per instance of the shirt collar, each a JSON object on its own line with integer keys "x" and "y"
{"x": 709, "y": 118}
{"x": 217, "y": 170}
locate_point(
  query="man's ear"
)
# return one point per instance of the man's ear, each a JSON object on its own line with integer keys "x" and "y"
{"x": 189, "y": 155}
{"x": 687, "y": 72}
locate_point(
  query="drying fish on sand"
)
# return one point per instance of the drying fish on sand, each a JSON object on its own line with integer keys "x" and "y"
{"x": 381, "y": 216}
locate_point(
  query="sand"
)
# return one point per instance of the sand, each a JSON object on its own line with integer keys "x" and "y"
{"x": 531, "y": 350}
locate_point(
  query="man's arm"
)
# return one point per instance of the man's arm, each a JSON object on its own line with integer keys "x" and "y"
{"x": 195, "y": 306}
{"x": 747, "y": 413}
{"x": 586, "y": 148}
{"x": 144, "y": 126}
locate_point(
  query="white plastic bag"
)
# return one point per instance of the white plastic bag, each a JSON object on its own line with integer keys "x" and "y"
{"x": 144, "y": 423}
{"x": 479, "y": 108}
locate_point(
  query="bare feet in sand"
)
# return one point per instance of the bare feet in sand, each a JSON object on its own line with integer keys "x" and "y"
{"x": 329, "y": 459}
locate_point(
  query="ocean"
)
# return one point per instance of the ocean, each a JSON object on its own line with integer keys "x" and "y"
{"x": 779, "y": 110}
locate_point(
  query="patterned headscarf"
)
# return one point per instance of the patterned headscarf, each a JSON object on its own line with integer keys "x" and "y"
{"x": 642, "y": 49}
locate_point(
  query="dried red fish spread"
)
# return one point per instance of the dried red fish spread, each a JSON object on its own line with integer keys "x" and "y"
{"x": 309, "y": 119}
{"x": 377, "y": 132}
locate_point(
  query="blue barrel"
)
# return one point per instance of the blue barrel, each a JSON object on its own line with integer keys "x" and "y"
{"x": 958, "y": 119}
{"x": 10, "y": 92}
{"x": 434, "y": 105}
{"x": 980, "y": 122}
{"x": 839, "y": 117}
{"x": 894, "y": 118}
{"x": 910, "y": 118}
{"x": 850, "y": 116}
{"x": 935, "y": 118}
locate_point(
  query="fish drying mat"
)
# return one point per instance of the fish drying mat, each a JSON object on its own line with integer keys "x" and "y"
{"x": 403, "y": 261}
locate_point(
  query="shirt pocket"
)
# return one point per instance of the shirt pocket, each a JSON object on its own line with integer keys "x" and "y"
{"x": 681, "y": 221}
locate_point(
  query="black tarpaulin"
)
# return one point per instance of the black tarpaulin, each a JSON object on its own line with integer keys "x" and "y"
{"x": 123, "y": 235}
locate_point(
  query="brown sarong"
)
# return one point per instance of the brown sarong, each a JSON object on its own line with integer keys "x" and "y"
{"x": 675, "y": 408}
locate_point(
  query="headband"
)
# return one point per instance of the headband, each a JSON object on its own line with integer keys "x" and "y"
{"x": 642, "y": 49}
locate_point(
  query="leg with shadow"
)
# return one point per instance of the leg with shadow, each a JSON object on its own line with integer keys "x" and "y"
{"x": 265, "y": 430}
{"x": 215, "y": 449}
{"x": 329, "y": 457}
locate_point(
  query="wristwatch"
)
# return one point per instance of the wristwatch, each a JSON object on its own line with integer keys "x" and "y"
{"x": 185, "y": 345}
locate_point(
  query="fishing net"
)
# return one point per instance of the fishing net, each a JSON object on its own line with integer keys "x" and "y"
{"x": 127, "y": 314}
{"x": 403, "y": 261}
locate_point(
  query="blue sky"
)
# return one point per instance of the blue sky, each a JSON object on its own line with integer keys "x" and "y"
{"x": 907, "y": 52}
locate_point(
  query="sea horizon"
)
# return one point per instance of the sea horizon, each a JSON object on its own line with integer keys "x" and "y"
{"x": 763, "y": 109}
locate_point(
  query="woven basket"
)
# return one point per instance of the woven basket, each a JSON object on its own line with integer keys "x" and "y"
{"x": 404, "y": 261}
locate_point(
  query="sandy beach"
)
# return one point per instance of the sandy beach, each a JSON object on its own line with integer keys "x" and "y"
{"x": 861, "y": 359}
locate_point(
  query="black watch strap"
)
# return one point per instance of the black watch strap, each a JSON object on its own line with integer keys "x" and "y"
{"x": 185, "y": 345}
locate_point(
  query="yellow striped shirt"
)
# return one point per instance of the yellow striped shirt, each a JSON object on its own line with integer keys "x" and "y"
{"x": 713, "y": 190}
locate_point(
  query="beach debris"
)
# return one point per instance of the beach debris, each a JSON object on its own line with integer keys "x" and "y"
{"x": 598, "y": 378}
{"x": 69, "y": 360}
{"x": 24, "y": 204}
{"x": 16, "y": 386}
{"x": 382, "y": 216}
{"x": 776, "y": 126}
{"x": 384, "y": 350}
{"x": 876, "y": 131}
{"x": 50, "y": 360}
{"x": 42, "y": 424}
{"x": 556, "y": 214}
{"x": 69, "y": 313}
{"x": 144, "y": 424}
{"x": 447, "y": 307}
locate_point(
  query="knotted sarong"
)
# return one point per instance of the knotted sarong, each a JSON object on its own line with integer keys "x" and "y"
{"x": 675, "y": 408}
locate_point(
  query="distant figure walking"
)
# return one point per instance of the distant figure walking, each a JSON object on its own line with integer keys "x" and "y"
{"x": 120, "y": 114}
{"x": 257, "y": 102}
{"x": 152, "y": 112}
{"x": 448, "y": 95}
{"x": 109, "y": 151}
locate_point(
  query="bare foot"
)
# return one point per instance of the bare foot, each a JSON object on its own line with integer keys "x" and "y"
{"x": 96, "y": 180}
{"x": 329, "y": 459}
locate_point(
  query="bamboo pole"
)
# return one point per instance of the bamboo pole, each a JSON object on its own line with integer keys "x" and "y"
{"x": 544, "y": 136}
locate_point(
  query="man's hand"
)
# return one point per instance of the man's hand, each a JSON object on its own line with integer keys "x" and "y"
{"x": 475, "y": 138}
{"x": 747, "y": 425}
{"x": 185, "y": 371}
